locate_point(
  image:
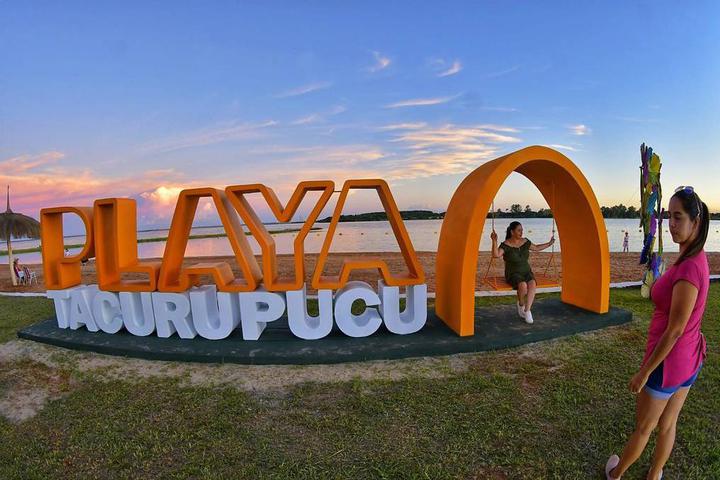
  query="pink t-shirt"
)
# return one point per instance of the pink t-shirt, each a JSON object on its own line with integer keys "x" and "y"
{"x": 690, "y": 349}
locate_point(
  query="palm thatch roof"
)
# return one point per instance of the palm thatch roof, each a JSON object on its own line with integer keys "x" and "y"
{"x": 17, "y": 225}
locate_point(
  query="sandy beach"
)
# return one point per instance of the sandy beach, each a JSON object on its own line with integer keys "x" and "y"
{"x": 623, "y": 267}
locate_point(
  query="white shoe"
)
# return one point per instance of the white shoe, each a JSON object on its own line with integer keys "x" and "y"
{"x": 521, "y": 311}
{"x": 528, "y": 317}
{"x": 611, "y": 463}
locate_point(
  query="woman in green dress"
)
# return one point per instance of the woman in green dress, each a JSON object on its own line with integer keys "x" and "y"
{"x": 515, "y": 251}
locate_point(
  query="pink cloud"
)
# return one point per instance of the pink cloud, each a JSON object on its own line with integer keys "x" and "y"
{"x": 36, "y": 181}
{"x": 24, "y": 163}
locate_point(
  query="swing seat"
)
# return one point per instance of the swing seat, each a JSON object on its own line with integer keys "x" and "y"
{"x": 499, "y": 283}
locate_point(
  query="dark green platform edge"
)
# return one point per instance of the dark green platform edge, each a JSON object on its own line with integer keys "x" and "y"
{"x": 496, "y": 327}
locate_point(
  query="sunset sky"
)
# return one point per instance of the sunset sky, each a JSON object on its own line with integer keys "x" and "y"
{"x": 142, "y": 99}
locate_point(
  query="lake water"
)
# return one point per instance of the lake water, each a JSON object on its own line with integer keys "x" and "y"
{"x": 378, "y": 237}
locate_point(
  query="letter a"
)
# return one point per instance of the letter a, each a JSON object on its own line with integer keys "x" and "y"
{"x": 415, "y": 273}
{"x": 237, "y": 193}
{"x": 176, "y": 278}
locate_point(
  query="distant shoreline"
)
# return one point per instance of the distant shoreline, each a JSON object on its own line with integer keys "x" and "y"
{"x": 3, "y": 253}
{"x": 406, "y": 215}
{"x": 610, "y": 213}
{"x": 624, "y": 267}
{"x": 382, "y": 216}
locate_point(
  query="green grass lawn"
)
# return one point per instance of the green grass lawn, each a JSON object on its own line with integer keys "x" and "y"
{"x": 550, "y": 410}
{"x": 18, "y": 312}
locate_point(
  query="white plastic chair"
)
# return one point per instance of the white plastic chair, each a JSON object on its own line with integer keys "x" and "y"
{"x": 30, "y": 276}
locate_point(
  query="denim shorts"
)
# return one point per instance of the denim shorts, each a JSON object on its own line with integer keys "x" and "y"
{"x": 654, "y": 384}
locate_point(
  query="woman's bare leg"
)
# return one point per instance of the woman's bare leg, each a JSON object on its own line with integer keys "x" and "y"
{"x": 531, "y": 287}
{"x": 667, "y": 425}
{"x": 522, "y": 291}
{"x": 647, "y": 413}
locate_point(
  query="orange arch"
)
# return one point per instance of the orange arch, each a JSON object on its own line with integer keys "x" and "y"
{"x": 585, "y": 254}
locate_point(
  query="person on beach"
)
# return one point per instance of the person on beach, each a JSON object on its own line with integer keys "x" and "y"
{"x": 515, "y": 251}
{"x": 626, "y": 243}
{"x": 676, "y": 347}
{"x": 19, "y": 272}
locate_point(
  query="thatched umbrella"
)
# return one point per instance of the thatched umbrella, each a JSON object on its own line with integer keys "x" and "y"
{"x": 16, "y": 225}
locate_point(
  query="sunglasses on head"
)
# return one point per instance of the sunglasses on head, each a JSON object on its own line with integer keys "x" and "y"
{"x": 685, "y": 188}
{"x": 688, "y": 190}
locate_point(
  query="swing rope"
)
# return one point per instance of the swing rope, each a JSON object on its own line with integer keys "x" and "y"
{"x": 492, "y": 254}
{"x": 551, "y": 260}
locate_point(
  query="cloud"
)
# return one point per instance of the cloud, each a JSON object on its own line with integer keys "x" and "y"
{"x": 162, "y": 195}
{"x": 499, "y": 109}
{"x": 155, "y": 191}
{"x": 579, "y": 129}
{"x": 411, "y": 150}
{"x": 404, "y": 126}
{"x": 419, "y": 102}
{"x": 456, "y": 67}
{"x": 563, "y": 147}
{"x": 455, "y": 136}
{"x": 501, "y": 73}
{"x": 28, "y": 162}
{"x": 405, "y": 151}
{"x": 381, "y": 62}
{"x": 428, "y": 150}
{"x": 48, "y": 185}
{"x": 638, "y": 119}
{"x": 401, "y": 151}
{"x": 498, "y": 128}
{"x": 288, "y": 165}
{"x": 313, "y": 87}
{"x": 339, "y": 155}
{"x": 308, "y": 119}
{"x": 319, "y": 117}
{"x": 156, "y": 206}
{"x": 208, "y": 136}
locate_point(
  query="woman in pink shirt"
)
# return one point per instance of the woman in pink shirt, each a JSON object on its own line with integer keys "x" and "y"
{"x": 675, "y": 347}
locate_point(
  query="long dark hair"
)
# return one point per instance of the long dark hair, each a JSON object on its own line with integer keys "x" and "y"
{"x": 693, "y": 206}
{"x": 511, "y": 227}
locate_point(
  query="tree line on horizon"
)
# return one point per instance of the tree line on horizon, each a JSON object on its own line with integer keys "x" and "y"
{"x": 516, "y": 210}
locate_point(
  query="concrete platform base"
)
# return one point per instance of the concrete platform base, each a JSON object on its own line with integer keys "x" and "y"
{"x": 496, "y": 327}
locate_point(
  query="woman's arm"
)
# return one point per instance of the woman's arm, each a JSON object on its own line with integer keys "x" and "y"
{"x": 684, "y": 295}
{"x": 542, "y": 246}
{"x": 497, "y": 252}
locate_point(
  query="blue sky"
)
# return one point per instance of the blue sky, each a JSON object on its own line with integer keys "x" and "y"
{"x": 142, "y": 99}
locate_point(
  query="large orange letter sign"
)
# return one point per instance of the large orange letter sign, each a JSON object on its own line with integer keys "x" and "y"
{"x": 415, "y": 274}
{"x": 175, "y": 278}
{"x": 116, "y": 247}
{"x": 61, "y": 271}
{"x": 237, "y": 193}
